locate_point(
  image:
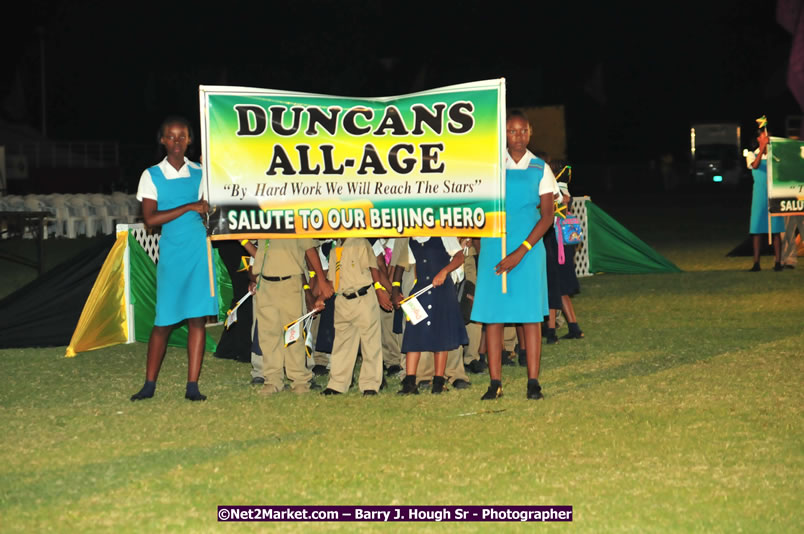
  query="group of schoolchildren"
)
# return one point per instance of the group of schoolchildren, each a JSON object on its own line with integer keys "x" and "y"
{"x": 357, "y": 285}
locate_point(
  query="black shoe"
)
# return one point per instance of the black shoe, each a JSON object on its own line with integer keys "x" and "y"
{"x": 369, "y": 393}
{"x": 393, "y": 370}
{"x": 257, "y": 381}
{"x": 755, "y": 268}
{"x": 494, "y": 392}
{"x": 320, "y": 370}
{"x": 195, "y": 396}
{"x": 460, "y": 383}
{"x": 551, "y": 339}
{"x": 438, "y": 385}
{"x": 330, "y": 391}
{"x": 523, "y": 357}
{"x": 778, "y": 267}
{"x": 573, "y": 335}
{"x": 409, "y": 386}
{"x": 475, "y": 367}
{"x": 534, "y": 390}
{"x": 507, "y": 358}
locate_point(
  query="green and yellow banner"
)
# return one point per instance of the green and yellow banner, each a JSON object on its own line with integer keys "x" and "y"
{"x": 283, "y": 164}
{"x": 785, "y": 177}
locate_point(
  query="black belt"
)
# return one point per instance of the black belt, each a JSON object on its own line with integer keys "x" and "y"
{"x": 359, "y": 293}
{"x": 275, "y": 278}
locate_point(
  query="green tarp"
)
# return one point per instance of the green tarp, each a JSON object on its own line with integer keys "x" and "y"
{"x": 613, "y": 249}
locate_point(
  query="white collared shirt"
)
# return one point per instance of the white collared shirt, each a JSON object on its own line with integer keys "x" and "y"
{"x": 147, "y": 189}
{"x": 548, "y": 183}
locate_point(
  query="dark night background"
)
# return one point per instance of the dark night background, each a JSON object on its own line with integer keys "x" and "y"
{"x": 632, "y": 76}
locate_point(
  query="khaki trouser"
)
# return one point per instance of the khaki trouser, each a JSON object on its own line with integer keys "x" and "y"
{"x": 391, "y": 343}
{"x": 471, "y": 351}
{"x": 509, "y": 338}
{"x": 275, "y": 305}
{"x": 357, "y": 324}
{"x": 319, "y": 358}
{"x": 789, "y": 248}
{"x": 454, "y": 370}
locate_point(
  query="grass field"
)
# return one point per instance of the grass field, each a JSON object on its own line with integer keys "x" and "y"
{"x": 681, "y": 411}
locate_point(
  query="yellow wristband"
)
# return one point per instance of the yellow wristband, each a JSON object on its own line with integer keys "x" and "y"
{"x": 244, "y": 242}
{"x": 378, "y": 285}
{"x": 527, "y": 245}
{"x": 306, "y": 287}
{"x": 312, "y": 274}
{"x": 396, "y": 284}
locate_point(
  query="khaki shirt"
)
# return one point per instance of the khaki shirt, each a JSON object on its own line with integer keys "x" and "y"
{"x": 357, "y": 258}
{"x": 400, "y": 255}
{"x": 281, "y": 257}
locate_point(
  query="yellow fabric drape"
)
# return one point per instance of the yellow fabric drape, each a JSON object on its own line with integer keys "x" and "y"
{"x": 103, "y": 321}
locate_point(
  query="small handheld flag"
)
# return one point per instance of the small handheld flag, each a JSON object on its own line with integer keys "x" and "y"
{"x": 293, "y": 330}
{"x": 231, "y": 315}
{"x": 413, "y": 308}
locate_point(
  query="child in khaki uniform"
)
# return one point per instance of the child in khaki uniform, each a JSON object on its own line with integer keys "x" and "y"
{"x": 391, "y": 341}
{"x": 353, "y": 269}
{"x": 276, "y": 274}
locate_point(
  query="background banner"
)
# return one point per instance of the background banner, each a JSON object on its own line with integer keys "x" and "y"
{"x": 282, "y": 164}
{"x": 785, "y": 176}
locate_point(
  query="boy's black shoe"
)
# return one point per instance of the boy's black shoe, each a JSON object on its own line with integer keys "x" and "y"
{"x": 508, "y": 358}
{"x": 393, "y": 370}
{"x": 475, "y": 367}
{"x": 460, "y": 383}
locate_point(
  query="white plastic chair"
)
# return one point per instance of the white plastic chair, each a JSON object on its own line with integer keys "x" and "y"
{"x": 86, "y": 212}
{"x": 32, "y": 203}
{"x": 136, "y": 206}
{"x": 66, "y": 220}
{"x": 122, "y": 208}
{"x": 15, "y": 203}
{"x": 102, "y": 204}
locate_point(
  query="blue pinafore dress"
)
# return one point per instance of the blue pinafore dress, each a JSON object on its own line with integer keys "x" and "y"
{"x": 182, "y": 273}
{"x": 526, "y": 299}
{"x": 759, "y": 204}
{"x": 443, "y": 329}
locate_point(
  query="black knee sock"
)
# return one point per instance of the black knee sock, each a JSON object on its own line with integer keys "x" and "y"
{"x": 146, "y": 392}
{"x": 192, "y": 392}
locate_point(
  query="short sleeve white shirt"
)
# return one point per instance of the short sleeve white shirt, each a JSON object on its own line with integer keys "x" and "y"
{"x": 451, "y": 245}
{"x": 548, "y": 183}
{"x": 147, "y": 189}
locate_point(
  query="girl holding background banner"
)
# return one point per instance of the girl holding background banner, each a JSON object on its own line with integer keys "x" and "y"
{"x": 530, "y": 189}
{"x": 757, "y": 161}
{"x": 171, "y": 193}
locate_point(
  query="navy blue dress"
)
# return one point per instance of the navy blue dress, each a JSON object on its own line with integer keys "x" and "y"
{"x": 443, "y": 329}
